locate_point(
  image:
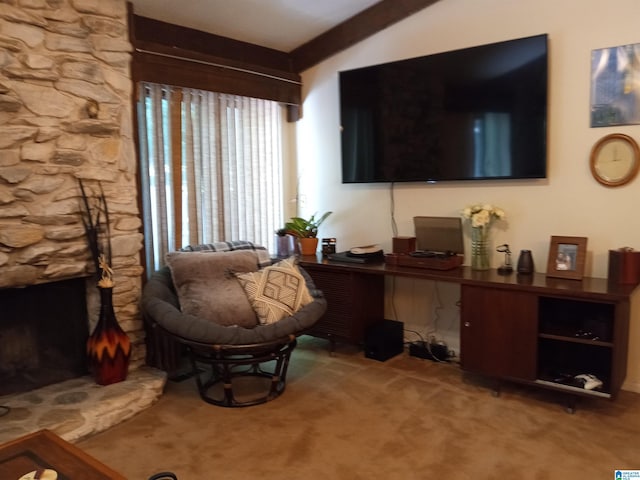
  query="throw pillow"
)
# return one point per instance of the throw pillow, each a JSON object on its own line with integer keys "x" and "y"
{"x": 276, "y": 292}
{"x": 207, "y": 288}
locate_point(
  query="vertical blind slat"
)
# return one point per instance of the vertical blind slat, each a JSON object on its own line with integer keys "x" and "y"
{"x": 213, "y": 170}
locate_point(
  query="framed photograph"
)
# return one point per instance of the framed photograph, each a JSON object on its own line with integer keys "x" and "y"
{"x": 566, "y": 257}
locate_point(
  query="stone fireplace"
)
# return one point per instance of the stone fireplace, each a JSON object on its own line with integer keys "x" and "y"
{"x": 65, "y": 114}
{"x": 43, "y": 330}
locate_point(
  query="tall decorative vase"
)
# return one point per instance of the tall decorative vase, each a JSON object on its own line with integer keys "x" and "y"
{"x": 480, "y": 248}
{"x": 108, "y": 347}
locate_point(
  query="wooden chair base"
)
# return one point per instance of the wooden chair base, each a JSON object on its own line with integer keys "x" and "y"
{"x": 243, "y": 375}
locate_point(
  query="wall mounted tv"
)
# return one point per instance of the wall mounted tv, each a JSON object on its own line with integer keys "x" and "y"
{"x": 478, "y": 113}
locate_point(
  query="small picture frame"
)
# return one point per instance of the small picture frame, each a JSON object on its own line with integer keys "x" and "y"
{"x": 567, "y": 257}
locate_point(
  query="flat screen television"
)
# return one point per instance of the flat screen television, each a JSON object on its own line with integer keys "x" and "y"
{"x": 478, "y": 113}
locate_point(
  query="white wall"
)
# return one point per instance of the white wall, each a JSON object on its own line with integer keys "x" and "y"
{"x": 569, "y": 202}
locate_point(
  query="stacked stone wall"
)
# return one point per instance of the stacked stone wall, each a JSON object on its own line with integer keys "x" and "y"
{"x": 65, "y": 114}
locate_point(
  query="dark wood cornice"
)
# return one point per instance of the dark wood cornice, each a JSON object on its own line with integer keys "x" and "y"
{"x": 181, "y": 56}
{"x": 215, "y": 78}
{"x": 228, "y": 61}
{"x": 370, "y": 21}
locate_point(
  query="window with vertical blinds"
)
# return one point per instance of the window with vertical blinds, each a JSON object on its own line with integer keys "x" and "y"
{"x": 211, "y": 168}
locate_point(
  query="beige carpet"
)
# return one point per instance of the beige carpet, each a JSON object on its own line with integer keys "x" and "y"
{"x": 346, "y": 417}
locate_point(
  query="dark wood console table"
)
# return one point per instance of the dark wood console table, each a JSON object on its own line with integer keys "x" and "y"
{"x": 530, "y": 329}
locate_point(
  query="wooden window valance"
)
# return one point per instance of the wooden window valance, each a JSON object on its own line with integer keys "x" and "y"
{"x": 174, "y": 55}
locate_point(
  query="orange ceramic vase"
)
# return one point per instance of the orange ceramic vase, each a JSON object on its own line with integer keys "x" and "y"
{"x": 108, "y": 347}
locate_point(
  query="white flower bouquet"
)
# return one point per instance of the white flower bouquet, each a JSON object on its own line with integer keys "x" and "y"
{"x": 482, "y": 214}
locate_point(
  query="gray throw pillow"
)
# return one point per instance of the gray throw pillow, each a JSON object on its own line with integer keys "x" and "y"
{"x": 207, "y": 287}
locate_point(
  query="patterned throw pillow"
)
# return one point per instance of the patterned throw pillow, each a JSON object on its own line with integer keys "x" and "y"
{"x": 276, "y": 292}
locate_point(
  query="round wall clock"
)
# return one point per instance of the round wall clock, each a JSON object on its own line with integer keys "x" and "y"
{"x": 615, "y": 159}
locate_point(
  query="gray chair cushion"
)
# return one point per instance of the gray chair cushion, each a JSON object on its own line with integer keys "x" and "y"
{"x": 160, "y": 304}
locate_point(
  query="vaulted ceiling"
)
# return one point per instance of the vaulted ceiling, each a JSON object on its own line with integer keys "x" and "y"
{"x": 280, "y": 24}
{"x": 308, "y": 30}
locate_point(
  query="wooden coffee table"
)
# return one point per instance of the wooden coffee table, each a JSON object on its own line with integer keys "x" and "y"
{"x": 44, "y": 449}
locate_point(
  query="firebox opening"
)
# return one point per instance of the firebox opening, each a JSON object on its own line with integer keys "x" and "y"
{"x": 43, "y": 334}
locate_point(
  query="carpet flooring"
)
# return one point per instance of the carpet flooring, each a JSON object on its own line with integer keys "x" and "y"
{"x": 346, "y": 417}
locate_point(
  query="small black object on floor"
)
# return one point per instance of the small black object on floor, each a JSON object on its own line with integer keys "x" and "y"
{"x": 384, "y": 340}
{"x": 430, "y": 351}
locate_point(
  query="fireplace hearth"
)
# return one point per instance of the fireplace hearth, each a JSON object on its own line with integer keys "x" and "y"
{"x": 43, "y": 334}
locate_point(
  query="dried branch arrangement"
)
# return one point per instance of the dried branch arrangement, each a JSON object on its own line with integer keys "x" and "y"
{"x": 95, "y": 219}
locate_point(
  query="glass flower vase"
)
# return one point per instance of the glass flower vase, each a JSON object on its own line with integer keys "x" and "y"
{"x": 480, "y": 248}
{"x": 108, "y": 347}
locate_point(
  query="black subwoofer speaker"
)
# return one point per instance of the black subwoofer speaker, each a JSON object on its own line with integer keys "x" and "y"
{"x": 384, "y": 340}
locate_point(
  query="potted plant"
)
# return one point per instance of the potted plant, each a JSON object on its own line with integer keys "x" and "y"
{"x": 306, "y": 231}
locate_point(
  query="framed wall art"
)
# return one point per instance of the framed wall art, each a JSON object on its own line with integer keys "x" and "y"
{"x": 615, "y": 86}
{"x": 567, "y": 257}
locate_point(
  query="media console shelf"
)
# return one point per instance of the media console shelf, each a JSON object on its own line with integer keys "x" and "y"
{"x": 529, "y": 329}
{"x": 546, "y": 338}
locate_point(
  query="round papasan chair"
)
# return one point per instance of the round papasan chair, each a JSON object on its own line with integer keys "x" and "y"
{"x": 238, "y": 315}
